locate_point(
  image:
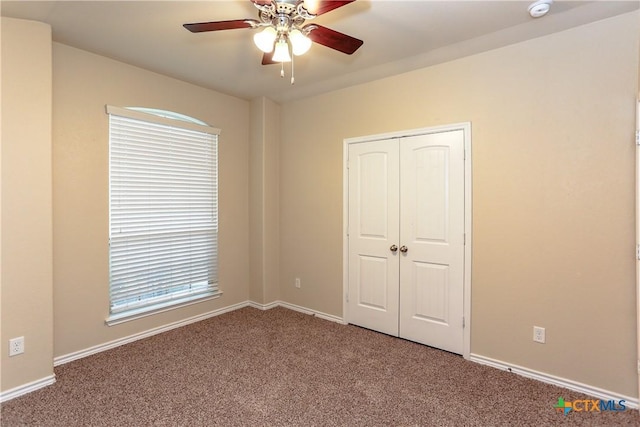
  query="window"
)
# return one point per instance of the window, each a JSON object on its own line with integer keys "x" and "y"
{"x": 163, "y": 212}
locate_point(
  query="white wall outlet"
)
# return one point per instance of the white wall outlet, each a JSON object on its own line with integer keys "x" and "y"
{"x": 538, "y": 334}
{"x": 16, "y": 346}
{"x": 297, "y": 282}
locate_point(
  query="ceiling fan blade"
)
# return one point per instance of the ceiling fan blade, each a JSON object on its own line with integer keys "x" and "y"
{"x": 261, "y": 2}
{"x": 200, "y": 27}
{"x": 325, "y": 6}
{"x": 334, "y": 39}
{"x": 267, "y": 58}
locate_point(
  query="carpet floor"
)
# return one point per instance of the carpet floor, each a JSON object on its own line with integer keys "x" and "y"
{"x": 283, "y": 368}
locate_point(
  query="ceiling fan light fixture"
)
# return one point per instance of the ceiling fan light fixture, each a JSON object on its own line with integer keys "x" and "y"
{"x": 281, "y": 54}
{"x": 311, "y": 6}
{"x": 300, "y": 43}
{"x": 265, "y": 38}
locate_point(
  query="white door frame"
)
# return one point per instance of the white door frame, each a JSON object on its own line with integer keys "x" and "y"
{"x": 466, "y": 128}
{"x": 638, "y": 236}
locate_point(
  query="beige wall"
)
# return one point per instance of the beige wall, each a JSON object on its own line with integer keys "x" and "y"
{"x": 27, "y": 301}
{"x": 553, "y": 202}
{"x": 82, "y": 84}
{"x": 553, "y": 193}
{"x": 264, "y": 201}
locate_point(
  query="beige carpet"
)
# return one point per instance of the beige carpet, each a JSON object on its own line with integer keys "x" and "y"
{"x": 279, "y": 367}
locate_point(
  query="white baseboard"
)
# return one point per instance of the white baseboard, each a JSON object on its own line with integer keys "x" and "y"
{"x": 264, "y": 307}
{"x": 27, "y": 388}
{"x": 299, "y": 309}
{"x": 61, "y": 360}
{"x": 630, "y": 402}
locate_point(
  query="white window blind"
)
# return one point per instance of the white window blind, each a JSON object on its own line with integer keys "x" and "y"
{"x": 163, "y": 223}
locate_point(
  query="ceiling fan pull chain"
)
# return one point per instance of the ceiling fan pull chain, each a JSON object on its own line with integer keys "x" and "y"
{"x": 282, "y": 70}
{"x": 293, "y": 80}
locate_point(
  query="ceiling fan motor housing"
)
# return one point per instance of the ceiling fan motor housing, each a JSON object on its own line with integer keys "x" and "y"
{"x": 283, "y": 15}
{"x": 282, "y": 23}
{"x": 286, "y": 6}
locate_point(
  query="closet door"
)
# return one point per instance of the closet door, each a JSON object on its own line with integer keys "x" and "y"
{"x": 432, "y": 239}
{"x": 373, "y": 229}
{"x": 406, "y": 237}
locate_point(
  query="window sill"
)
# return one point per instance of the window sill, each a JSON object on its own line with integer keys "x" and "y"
{"x": 126, "y": 316}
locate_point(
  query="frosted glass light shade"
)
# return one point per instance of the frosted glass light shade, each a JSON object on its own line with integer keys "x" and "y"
{"x": 265, "y": 38}
{"x": 281, "y": 53}
{"x": 311, "y": 6}
{"x": 300, "y": 44}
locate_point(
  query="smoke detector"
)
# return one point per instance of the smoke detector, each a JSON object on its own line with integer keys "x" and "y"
{"x": 539, "y": 8}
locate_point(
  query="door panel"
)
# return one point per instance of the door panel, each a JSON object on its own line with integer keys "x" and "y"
{"x": 373, "y": 228}
{"x": 429, "y": 177}
{"x": 372, "y": 282}
{"x": 431, "y": 292}
{"x": 432, "y": 229}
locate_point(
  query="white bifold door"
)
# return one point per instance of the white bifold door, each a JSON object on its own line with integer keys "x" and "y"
{"x": 406, "y": 237}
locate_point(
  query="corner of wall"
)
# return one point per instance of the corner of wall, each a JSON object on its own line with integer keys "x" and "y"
{"x": 264, "y": 200}
{"x": 26, "y": 203}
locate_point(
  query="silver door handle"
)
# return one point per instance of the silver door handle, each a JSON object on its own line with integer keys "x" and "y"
{"x": 393, "y": 248}
{"x": 403, "y": 249}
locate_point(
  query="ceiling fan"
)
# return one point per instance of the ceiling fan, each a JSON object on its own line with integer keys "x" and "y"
{"x": 284, "y": 31}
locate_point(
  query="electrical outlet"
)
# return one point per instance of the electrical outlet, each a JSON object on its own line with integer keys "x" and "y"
{"x": 298, "y": 282}
{"x": 538, "y": 334}
{"x": 16, "y": 346}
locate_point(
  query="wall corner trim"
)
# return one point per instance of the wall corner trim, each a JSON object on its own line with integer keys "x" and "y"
{"x": 300, "y": 309}
{"x": 27, "y": 388}
{"x": 630, "y": 402}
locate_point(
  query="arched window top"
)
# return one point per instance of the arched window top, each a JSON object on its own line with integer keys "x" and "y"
{"x": 168, "y": 115}
{"x": 164, "y": 117}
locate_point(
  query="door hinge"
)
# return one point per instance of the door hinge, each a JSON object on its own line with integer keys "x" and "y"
{"x": 638, "y": 252}
{"x": 638, "y": 137}
{"x": 463, "y": 323}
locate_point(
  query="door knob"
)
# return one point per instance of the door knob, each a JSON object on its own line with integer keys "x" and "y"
{"x": 393, "y": 248}
{"x": 403, "y": 249}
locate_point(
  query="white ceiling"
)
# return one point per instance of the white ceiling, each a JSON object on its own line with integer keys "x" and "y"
{"x": 398, "y": 36}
